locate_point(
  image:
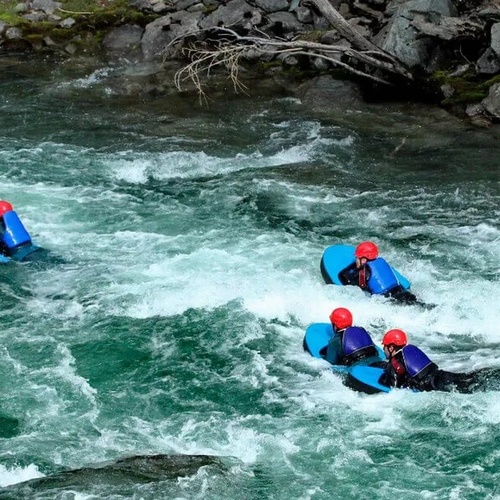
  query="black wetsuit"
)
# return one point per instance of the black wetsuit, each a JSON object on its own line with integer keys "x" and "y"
{"x": 4, "y": 249}
{"x": 360, "y": 276}
{"x": 434, "y": 379}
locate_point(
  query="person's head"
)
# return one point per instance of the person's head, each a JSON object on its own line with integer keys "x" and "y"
{"x": 364, "y": 252}
{"x": 393, "y": 341}
{"x": 5, "y": 206}
{"x": 341, "y": 318}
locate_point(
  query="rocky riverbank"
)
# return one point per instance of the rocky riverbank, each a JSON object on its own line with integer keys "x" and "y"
{"x": 441, "y": 51}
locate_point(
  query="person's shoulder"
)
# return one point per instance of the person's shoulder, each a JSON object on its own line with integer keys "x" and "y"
{"x": 411, "y": 347}
{"x": 412, "y": 350}
{"x": 357, "y": 328}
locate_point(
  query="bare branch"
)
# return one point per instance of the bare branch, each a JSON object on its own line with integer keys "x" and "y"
{"x": 229, "y": 48}
{"x": 342, "y": 26}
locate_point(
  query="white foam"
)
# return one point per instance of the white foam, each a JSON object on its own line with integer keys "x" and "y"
{"x": 92, "y": 79}
{"x": 14, "y": 475}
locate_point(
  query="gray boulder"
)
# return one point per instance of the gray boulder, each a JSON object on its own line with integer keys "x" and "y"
{"x": 272, "y": 5}
{"x": 403, "y": 40}
{"x": 159, "y": 34}
{"x": 48, "y": 6}
{"x": 488, "y": 63}
{"x": 235, "y": 14}
{"x": 492, "y": 102}
{"x": 124, "y": 41}
{"x": 495, "y": 38}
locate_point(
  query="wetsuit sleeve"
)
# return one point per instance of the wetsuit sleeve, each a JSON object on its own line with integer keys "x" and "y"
{"x": 3, "y": 247}
{"x": 334, "y": 350}
{"x": 466, "y": 383}
{"x": 402, "y": 295}
{"x": 349, "y": 275}
{"x": 387, "y": 378}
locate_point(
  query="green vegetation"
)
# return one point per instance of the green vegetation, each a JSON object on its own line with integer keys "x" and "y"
{"x": 8, "y": 13}
{"x": 93, "y": 18}
{"x": 468, "y": 88}
{"x": 89, "y": 14}
{"x": 312, "y": 36}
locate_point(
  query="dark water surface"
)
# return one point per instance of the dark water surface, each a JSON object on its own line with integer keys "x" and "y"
{"x": 182, "y": 268}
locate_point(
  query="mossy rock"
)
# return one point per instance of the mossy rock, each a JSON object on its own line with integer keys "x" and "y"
{"x": 468, "y": 88}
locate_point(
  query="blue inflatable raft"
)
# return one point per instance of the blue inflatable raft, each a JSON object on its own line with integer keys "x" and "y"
{"x": 360, "y": 376}
{"x": 337, "y": 257}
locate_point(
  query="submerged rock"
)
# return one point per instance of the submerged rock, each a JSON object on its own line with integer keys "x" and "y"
{"x": 134, "y": 470}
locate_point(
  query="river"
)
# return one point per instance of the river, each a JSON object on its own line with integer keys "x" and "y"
{"x": 180, "y": 269}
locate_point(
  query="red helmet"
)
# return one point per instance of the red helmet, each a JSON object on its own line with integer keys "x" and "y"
{"x": 5, "y": 206}
{"x": 367, "y": 249}
{"x": 341, "y": 318}
{"x": 395, "y": 337}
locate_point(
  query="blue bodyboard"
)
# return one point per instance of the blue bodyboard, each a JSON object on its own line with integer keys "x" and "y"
{"x": 24, "y": 251}
{"x": 368, "y": 378}
{"x": 360, "y": 376}
{"x": 316, "y": 338}
{"x": 20, "y": 254}
{"x": 337, "y": 257}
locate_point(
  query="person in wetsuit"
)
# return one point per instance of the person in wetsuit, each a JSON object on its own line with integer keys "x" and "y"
{"x": 349, "y": 343}
{"x": 409, "y": 367}
{"x": 13, "y": 234}
{"x": 5, "y": 206}
{"x": 373, "y": 274}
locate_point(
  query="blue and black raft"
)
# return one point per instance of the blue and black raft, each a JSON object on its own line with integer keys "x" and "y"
{"x": 15, "y": 241}
{"x": 384, "y": 280}
{"x": 362, "y": 375}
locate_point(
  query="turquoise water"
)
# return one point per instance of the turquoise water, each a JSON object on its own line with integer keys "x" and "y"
{"x": 181, "y": 268}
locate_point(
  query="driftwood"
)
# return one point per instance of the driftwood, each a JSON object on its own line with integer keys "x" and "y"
{"x": 342, "y": 26}
{"x": 230, "y": 51}
{"x": 360, "y": 57}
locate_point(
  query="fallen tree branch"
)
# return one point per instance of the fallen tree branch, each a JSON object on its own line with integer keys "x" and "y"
{"x": 204, "y": 61}
{"x": 342, "y": 26}
{"x": 73, "y": 12}
{"x": 229, "y": 47}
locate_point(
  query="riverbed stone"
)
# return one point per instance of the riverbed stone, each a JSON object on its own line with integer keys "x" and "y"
{"x": 159, "y": 34}
{"x": 495, "y": 38}
{"x": 48, "y": 6}
{"x": 325, "y": 95}
{"x": 124, "y": 40}
{"x": 488, "y": 63}
{"x": 304, "y": 15}
{"x": 235, "y": 14}
{"x": 282, "y": 24}
{"x": 492, "y": 102}
{"x": 21, "y": 7}
{"x": 272, "y": 5}
{"x": 67, "y": 23}
{"x": 403, "y": 40}
{"x": 13, "y": 33}
{"x": 35, "y": 17}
